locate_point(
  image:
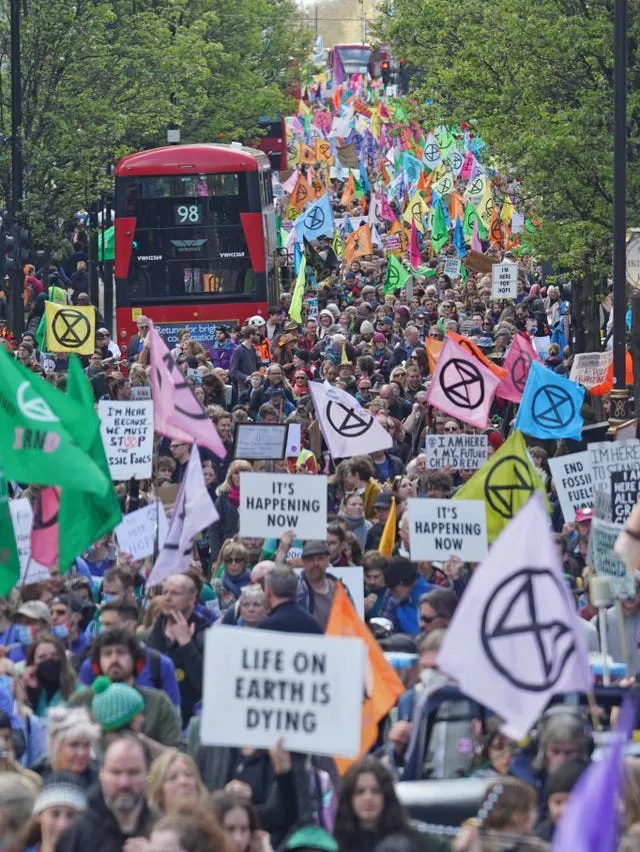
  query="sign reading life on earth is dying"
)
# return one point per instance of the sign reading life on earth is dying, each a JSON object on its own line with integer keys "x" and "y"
{"x": 458, "y": 451}
{"x": 272, "y": 503}
{"x": 260, "y": 686}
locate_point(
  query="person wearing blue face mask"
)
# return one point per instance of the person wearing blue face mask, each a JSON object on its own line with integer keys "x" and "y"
{"x": 65, "y": 622}
{"x": 31, "y": 618}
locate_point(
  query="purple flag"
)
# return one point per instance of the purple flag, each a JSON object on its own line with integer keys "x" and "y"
{"x": 177, "y": 413}
{"x": 338, "y": 70}
{"x": 590, "y": 819}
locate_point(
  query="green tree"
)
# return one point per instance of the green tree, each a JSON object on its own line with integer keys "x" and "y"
{"x": 107, "y": 77}
{"x": 537, "y": 82}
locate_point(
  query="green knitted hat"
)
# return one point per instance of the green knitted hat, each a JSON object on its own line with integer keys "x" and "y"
{"x": 114, "y": 705}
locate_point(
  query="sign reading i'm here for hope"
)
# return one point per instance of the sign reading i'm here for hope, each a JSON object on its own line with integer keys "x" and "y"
{"x": 272, "y": 503}
{"x": 261, "y": 685}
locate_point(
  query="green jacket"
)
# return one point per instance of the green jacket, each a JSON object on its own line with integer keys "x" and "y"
{"x": 161, "y": 722}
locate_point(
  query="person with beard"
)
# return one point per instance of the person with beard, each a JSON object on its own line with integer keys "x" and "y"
{"x": 48, "y": 678}
{"x": 117, "y": 807}
{"x": 120, "y": 657}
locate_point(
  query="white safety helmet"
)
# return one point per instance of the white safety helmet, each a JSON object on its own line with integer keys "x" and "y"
{"x": 256, "y": 320}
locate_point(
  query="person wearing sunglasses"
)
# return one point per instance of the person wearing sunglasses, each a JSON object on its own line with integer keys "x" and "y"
{"x": 233, "y": 576}
{"x": 436, "y": 609}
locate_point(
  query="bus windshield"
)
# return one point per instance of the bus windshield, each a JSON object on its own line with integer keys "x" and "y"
{"x": 355, "y": 59}
{"x": 189, "y": 238}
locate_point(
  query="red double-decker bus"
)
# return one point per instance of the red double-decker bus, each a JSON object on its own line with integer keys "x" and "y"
{"x": 195, "y": 238}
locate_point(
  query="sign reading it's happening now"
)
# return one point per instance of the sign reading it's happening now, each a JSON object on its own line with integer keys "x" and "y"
{"x": 272, "y": 503}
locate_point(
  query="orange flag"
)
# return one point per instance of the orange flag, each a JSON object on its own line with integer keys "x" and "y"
{"x": 607, "y": 386}
{"x": 433, "y": 347}
{"x": 471, "y": 347}
{"x": 495, "y": 234}
{"x": 348, "y": 193}
{"x": 306, "y": 154}
{"x": 302, "y": 193}
{"x": 323, "y": 152}
{"x": 383, "y": 686}
{"x": 456, "y": 207}
{"x": 388, "y": 538}
{"x": 358, "y": 244}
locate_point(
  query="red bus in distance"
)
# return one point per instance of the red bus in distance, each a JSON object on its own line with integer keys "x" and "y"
{"x": 195, "y": 239}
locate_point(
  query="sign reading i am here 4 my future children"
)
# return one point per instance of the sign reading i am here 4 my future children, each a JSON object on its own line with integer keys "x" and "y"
{"x": 261, "y": 685}
{"x": 439, "y": 529}
{"x": 272, "y": 503}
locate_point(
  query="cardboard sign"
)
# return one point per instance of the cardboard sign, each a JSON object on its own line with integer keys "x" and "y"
{"x": 460, "y": 452}
{"x": 351, "y": 575}
{"x": 590, "y": 368}
{"x": 136, "y": 533}
{"x": 452, "y": 268}
{"x": 294, "y": 440}
{"x": 504, "y": 281}
{"x": 478, "y": 262}
{"x": 609, "y": 456}
{"x": 625, "y": 485}
{"x": 439, "y": 529}
{"x": 259, "y": 441}
{"x": 601, "y": 555}
{"x": 260, "y": 685}
{"x": 573, "y": 479}
{"x": 272, "y": 503}
{"x": 127, "y": 435}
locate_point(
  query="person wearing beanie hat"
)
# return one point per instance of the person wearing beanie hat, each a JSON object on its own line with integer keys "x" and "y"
{"x": 560, "y": 783}
{"x": 62, "y": 797}
{"x": 116, "y": 706}
{"x": 311, "y": 838}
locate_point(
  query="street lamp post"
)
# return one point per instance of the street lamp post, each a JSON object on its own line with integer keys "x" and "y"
{"x": 619, "y": 394}
{"x": 16, "y": 306}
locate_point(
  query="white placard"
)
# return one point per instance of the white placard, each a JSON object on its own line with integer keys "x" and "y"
{"x": 573, "y": 478}
{"x": 139, "y": 392}
{"x": 127, "y": 435}
{"x": 294, "y": 440}
{"x": 272, "y": 503}
{"x": 541, "y": 345}
{"x": 260, "y": 685}
{"x": 458, "y": 451}
{"x": 136, "y": 533}
{"x": 504, "y": 281}
{"x": 353, "y": 578}
{"x": 590, "y": 368}
{"x": 255, "y": 441}
{"x": 22, "y": 519}
{"x": 607, "y": 456}
{"x": 452, "y": 268}
{"x": 602, "y": 538}
{"x": 439, "y": 529}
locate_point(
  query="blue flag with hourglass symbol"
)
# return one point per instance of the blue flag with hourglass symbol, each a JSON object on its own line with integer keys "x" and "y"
{"x": 316, "y": 221}
{"x": 550, "y": 406}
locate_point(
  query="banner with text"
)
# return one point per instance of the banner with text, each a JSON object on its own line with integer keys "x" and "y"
{"x": 573, "y": 479}
{"x": 590, "y": 368}
{"x": 504, "y": 281}
{"x": 143, "y": 532}
{"x": 439, "y": 529}
{"x": 127, "y": 435}
{"x": 460, "y": 452}
{"x": 272, "y": 503}
{"x": 261, "y": 685}
{"x": 601, "y": 555}
{"x": 609, "y": 456}
{"x": 624, "y": 493}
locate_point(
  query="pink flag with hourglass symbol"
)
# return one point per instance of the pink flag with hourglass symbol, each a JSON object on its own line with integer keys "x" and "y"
{"x": 518, "y": 362}
{"x": 177, "y": 413}
{"x": 462, "y": 386}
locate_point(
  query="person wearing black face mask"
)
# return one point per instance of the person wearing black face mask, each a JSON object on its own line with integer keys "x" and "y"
{"x": 48, "y": 677}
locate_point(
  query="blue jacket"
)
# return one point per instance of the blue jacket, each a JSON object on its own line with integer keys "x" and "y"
{"x": 404, "y": 614}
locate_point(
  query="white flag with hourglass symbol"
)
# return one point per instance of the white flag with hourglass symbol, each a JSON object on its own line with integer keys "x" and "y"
{"x": 348, "y": 429}
{"x": 519, "y": 619}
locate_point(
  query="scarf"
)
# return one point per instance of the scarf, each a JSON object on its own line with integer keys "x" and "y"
{"x": 351, "y": 523}
{"x": 235, "y": 584}
{"x": 234, "y": 495}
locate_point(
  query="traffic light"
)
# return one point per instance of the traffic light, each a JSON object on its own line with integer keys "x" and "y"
{"x": 16, "y": 247}
{"x": 386, "y": 72}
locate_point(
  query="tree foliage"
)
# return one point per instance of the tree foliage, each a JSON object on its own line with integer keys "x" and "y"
{"x": 102, "y": 78}
{"x": 537, "y": 81}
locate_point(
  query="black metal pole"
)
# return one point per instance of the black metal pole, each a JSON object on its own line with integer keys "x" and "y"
{"x": 16, "y": 278}
{"x": 107, "y": 268}
{"x": 619, "y": 194}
